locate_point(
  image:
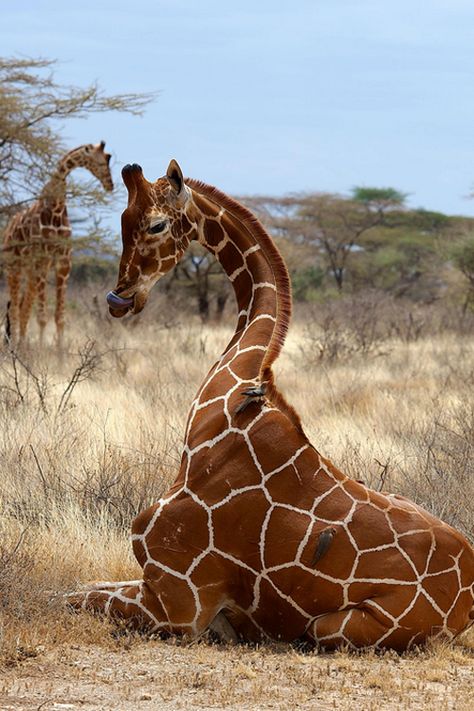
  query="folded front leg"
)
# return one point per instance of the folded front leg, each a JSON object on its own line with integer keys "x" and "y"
{"x": 130, "y": 601}
{"x": 170, "y": 604}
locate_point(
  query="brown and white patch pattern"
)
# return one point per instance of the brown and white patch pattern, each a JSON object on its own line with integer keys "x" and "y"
{"x": 258, "y": 526}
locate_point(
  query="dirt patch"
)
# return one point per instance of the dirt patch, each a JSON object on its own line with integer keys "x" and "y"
{"x": 167, "y": 675}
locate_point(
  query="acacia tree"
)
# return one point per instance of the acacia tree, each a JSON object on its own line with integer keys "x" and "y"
{"x": 462, "y": 255}
{"x": 33, "y": 107}
{"x": 380, "y": 200}
{"x": 333, "y": 225}
{"x": 205, "y": 279}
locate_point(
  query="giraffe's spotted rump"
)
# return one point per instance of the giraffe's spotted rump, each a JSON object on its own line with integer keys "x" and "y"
{"x": 258, "y": 526}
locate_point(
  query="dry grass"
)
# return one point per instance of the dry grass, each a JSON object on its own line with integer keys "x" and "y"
{"x": 168, "y": 675}
{"x": 89, "y": 438}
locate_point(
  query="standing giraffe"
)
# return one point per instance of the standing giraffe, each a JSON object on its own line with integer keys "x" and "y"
{"x": 261, "y": 536}
{"x": 40, "y": 237}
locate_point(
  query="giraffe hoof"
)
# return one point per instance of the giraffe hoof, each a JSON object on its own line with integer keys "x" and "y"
{"x": 223, "y": 629}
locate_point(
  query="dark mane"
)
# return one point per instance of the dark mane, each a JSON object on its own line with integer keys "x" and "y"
{"x": 282, "y": 283}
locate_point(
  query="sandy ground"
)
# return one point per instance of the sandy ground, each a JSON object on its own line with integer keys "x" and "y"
{"x": 167, "y": 675}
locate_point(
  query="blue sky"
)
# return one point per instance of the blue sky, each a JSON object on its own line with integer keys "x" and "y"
{"x": 274, "y": 97}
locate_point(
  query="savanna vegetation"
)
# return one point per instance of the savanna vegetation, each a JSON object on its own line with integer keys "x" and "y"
{"x": 379, "y": 363}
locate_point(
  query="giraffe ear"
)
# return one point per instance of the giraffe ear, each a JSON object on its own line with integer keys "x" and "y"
{"x": 175, "y": 177}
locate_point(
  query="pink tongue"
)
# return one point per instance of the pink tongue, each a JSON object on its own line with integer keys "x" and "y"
{"x": 117, "y": 301}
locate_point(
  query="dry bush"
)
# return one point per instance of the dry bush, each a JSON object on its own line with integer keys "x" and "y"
{"x": 365, "y": 325}
{"x": 48, "y": 555}
{"x": 431, "y": 463}
{"x": 443, "y": 478}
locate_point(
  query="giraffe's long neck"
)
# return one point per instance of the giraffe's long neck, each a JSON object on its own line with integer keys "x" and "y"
{"x": 261, "y": 284}
{"x": 55, "y": 188}
{"x": 257, "y": 272}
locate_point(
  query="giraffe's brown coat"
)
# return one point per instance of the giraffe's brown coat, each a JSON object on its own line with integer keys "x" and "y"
{"x": 255, "y": 495}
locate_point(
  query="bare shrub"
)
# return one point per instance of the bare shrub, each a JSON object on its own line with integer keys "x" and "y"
{"x": 343, "y": 329}
{"x": 30, "y": 385}
{"x": 364, "y": 325}
{"x": 443, "y": 478}
{"x": 432, "y": 466}
{"x": 21, "y": 381}
{"x": 32, "y": 567}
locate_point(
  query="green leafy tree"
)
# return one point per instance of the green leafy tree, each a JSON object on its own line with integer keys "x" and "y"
{"x": 306, "y": 281}
{"x": 379, "y": 199}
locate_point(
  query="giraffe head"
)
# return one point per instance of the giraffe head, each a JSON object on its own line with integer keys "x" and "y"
{"x": 157, "y": 227}
{"x": 97, "y": 161}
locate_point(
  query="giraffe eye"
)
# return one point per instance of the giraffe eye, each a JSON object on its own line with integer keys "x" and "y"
{"x": 157, "y": 227}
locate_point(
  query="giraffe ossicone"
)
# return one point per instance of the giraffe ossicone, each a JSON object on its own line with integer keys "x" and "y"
{"x": 38, "y": 239}
{"x": 260, "y": 535}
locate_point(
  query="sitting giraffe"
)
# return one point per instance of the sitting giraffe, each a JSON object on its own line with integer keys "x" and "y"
{"x": 260, "y": 536}
{"x": 40, "y": 237}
